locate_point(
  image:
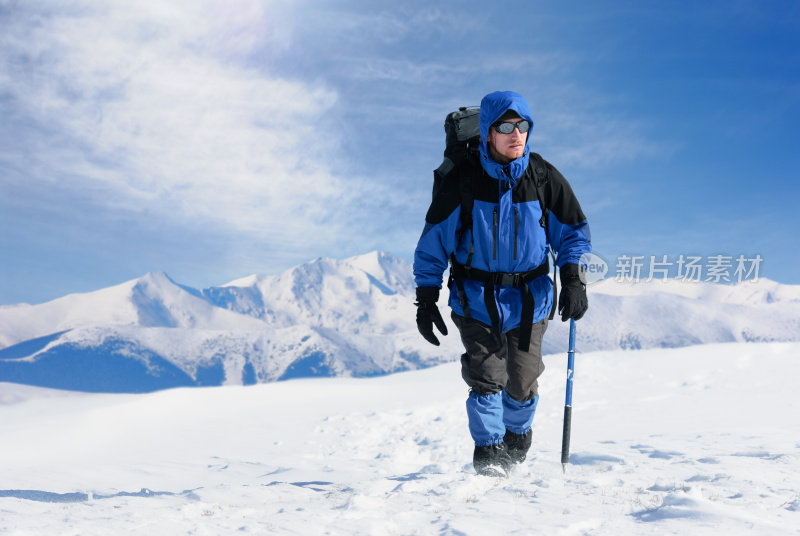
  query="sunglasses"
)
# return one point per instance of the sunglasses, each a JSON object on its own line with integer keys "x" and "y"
{"x": 508, "y": 127}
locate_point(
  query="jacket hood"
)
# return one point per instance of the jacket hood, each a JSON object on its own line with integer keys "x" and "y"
{"x": 493, "y": 106}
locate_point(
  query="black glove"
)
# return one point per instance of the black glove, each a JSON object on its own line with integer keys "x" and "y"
{"x": 428, "y": 314}
{"x": 572, "y": 301}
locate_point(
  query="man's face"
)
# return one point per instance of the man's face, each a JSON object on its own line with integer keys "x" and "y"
{"x": 504, "y": 148}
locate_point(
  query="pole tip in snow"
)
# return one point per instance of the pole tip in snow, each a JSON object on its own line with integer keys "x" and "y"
{"x": 564, "y": 468}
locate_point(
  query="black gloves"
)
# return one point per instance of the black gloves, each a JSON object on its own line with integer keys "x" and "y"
{"x": 428, "y": 314}
{"x": 572, "y": 301}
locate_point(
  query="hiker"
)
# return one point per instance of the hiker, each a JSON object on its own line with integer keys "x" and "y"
{"x": 495, "y": 214}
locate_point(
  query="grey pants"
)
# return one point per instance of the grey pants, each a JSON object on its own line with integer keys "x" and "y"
{"x": 493, "y": 363}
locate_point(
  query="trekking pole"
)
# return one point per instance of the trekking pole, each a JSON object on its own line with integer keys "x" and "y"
{"x": 568, "y": 403}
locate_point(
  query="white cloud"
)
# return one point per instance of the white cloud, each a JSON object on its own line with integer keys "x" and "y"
{"x": 167, "y": 112}
{"x": 289, "y": 127}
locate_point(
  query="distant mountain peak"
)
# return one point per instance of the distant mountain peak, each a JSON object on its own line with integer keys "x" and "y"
{"x": 352, "y": 316}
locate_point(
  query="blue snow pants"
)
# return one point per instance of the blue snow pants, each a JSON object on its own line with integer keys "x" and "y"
{"x": 503, "y": 379}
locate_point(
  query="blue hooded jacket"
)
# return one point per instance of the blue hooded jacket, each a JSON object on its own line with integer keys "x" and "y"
{"x": 505, "y": 234}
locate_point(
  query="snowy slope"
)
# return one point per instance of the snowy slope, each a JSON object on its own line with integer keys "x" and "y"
{"x": 352, "y": 317}
{"x": 675, "y": 313}
{"x": 700, "y": 440}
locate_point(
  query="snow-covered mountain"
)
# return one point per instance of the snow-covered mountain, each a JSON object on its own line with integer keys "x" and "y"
{"x": 675, "y": 313}
{"x": 352, "y": 317}
{"x": 324, "y": 318}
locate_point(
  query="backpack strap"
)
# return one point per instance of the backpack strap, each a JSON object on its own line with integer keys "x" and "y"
{"x": 465, "y": 169}
{"x": 467, "y": 193}
{"x": 540, "y": 180}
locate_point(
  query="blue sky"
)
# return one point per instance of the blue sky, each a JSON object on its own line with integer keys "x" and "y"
{"x": 216, "y": 139}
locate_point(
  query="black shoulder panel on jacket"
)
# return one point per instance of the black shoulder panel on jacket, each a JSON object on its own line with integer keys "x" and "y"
{"x": 525, "y": 191}
{"x": 484, "y": 187}
{"x": 560, "y": 198}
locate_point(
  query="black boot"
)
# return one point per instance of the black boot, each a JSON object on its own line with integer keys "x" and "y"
{"x": 517, "y": 445}
{"x": 492, "y": 460}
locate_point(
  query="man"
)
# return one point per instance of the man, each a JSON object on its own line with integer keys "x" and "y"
{"x": 494, "y": 217}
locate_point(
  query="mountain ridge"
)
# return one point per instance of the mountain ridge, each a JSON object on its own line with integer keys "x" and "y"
{"x": 329, "y": 317}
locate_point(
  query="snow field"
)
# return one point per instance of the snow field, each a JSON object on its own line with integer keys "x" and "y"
{"x": 696, "y": 440}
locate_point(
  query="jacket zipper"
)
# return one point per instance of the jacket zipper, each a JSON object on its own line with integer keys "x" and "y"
{"x": 516, "y": 230}
{"x": 494, "y": 235}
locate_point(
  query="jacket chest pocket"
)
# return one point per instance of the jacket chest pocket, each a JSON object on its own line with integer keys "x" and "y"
{"x": 514, "y": 235}
{"x": 529, "y": 236}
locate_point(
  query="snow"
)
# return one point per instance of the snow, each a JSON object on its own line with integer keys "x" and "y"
{"x": 753, "y": 291}
{"x": 694, "y": 440}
